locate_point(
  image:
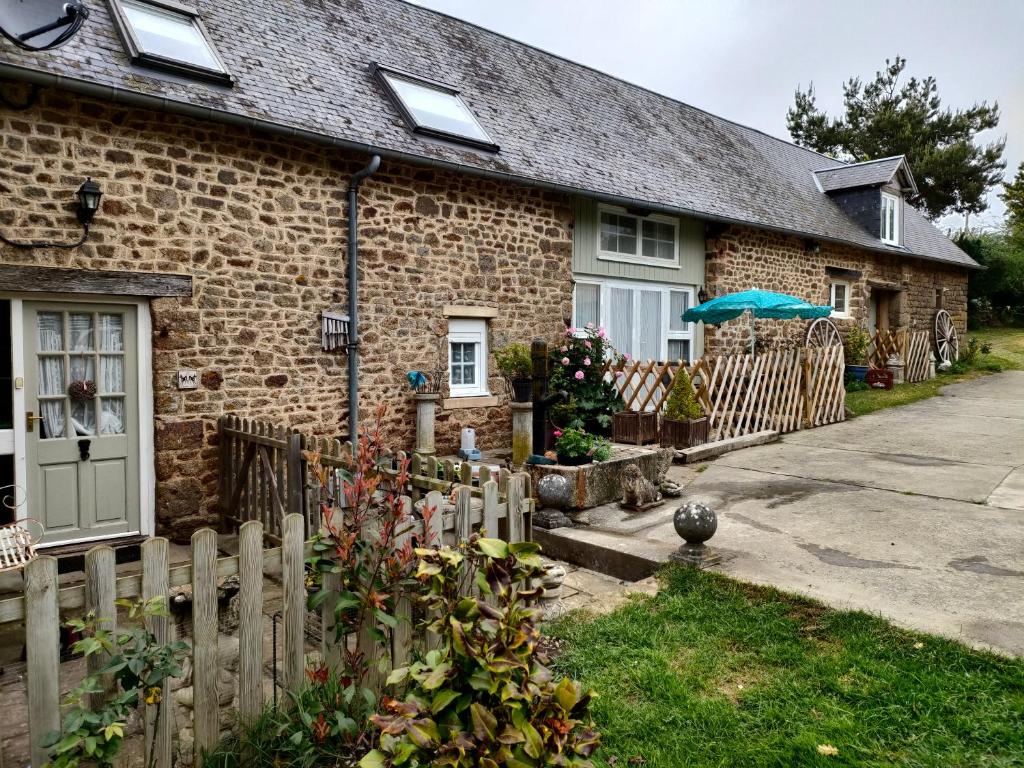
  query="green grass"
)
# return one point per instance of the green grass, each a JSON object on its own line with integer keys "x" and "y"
{"x": 1007, "y": 354}
{"x": 711, "y": 672}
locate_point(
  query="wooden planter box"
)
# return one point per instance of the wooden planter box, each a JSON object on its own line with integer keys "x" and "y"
{"x": 635, "y": 427}
{"x": 684, "y": 434}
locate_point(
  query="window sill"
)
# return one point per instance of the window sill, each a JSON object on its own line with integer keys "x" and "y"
{"x": 477, "y": 401}
{"x": 464, "y": 311}
{"x": 639, "y": 260}
{"x": 841, "y": 316}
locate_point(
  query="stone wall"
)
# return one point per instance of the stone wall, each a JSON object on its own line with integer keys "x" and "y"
{"x": 260, "y": 224}
{"x": 741, "y": 258}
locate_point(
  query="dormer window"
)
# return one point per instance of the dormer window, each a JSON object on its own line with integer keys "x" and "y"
{"x": 166, "y": 35}
{"x": 890, "y": 219}
{"x": 433, "y": 109}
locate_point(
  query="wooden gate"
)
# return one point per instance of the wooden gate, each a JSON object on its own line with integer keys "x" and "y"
{"x": 912, "y": 347}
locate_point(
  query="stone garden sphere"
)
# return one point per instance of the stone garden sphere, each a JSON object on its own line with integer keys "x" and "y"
{"x": 554, "y": 491}
{"x": 695, "y": 522}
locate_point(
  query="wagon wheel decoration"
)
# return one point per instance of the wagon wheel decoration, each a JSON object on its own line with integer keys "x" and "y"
{"x": 823, "y": 333}
{"x": 947, "y": 345}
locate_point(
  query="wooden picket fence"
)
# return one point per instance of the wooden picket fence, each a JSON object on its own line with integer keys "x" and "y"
{"x": 784, "y": 390}
{"x": 913, "y": 347}
{"x": 44, "y": 603}
{"x": 265, "y": 476}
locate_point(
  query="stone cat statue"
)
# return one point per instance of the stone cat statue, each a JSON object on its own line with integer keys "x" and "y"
{"x": 637, "y": 490}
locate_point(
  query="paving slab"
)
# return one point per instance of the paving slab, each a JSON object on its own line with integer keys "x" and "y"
{"x": 911, "y": 513}
{"x": 1009, "y": 494}
{"x": 900, "y": 472}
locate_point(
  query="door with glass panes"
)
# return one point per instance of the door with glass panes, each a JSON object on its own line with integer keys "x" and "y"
{"x": 81, "y": 402}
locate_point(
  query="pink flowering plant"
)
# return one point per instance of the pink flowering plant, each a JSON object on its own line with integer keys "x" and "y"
{"x": 577, "y": 368}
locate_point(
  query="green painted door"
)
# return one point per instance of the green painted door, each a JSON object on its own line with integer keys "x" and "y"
{"x": 82, "y": 435}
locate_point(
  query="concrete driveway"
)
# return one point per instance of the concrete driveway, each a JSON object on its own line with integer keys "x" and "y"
{"x": 916, "y": 513}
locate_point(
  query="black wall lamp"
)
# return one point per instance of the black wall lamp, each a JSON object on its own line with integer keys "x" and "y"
{"x": 702, "y": 295}
{"x": 89, "y": 195}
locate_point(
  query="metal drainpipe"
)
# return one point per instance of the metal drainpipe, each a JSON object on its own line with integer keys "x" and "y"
{"x": 353, "y": 297}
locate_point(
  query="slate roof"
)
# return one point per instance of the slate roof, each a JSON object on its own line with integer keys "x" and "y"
{"x": 869, "y": 173}
{"x": 304, "y": 64}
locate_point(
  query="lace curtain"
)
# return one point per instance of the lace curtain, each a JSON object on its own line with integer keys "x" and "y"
{"x": 81, "y": 360}
{"x": 51, "y": 373}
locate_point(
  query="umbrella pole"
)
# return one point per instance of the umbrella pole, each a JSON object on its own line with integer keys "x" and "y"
{"x": 752, "y": 334}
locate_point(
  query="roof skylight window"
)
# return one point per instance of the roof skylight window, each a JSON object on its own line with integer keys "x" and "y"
{"x": 167, "y": 35}
{"x": 434, "y": 109}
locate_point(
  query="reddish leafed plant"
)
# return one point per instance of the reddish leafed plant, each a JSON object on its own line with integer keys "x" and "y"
{"x": 368, "y": 538}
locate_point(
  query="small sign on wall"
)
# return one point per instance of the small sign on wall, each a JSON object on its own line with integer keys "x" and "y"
{"x": 188, "y": 379}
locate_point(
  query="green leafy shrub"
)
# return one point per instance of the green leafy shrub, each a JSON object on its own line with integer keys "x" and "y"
{"x": 573, "y": 443}
{"x": 577, "y": 368}
{"x": 682, "y": 400}
{"x": 313, "y": 730}
{"x": 856, "y": 385}
{"x": 856, "y": 346}
{"x": 970, "y": 353}
{"x": 137, "y": 665}
{"x": 484, "y": 697}
{"x": 986, "y": 348}
{"x": 514, "y": 361}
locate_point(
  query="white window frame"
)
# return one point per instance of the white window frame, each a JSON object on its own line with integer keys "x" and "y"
{"x": 637, "y": 258}
{"x": 469, "y": 331}
{"x": 605, "y": 286}
{"x": 832, "y": 298}
{"x": 139, "y": 55}
{"x": 892, "y": 238}
{"x": 387, "y": 76}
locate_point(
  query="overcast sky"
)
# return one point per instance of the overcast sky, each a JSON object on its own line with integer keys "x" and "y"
{"x": 743, "y": 60}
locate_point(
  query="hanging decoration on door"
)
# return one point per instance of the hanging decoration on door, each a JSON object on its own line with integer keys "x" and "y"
{"x": 82, "y": 390}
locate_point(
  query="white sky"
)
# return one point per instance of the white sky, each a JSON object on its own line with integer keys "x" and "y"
{"x": 743, "y": 60}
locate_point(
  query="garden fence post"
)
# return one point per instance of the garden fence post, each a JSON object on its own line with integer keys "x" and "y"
{"x": 158, "y": 716}
{"x": 42, "y": 646}
{"x": 401, "y": 636}
{"x": 250, "y": 619}
{"x": 99, "y": 600}
{"x": 204, "y": 641}
{"x": 293, "y": 566}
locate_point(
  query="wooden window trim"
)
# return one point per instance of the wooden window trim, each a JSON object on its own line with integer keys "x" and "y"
{"x": 17, "y": 278}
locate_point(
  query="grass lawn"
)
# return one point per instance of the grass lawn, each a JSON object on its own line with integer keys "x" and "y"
{"x": 712, "y": 672}
{"x": 1007, "y": 354}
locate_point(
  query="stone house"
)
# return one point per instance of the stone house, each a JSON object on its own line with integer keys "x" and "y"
{"x": 517, "y": 193}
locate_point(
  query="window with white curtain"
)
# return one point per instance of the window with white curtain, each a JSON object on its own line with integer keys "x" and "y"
{"x": 680, "y": 334}
{"x": 71, "y": 348}
{"x": 839, "y": 298}
{"x": 890, "y": 219}
{"x": 649, "y": 239}
{"x": 643, "y": 320}
{"x": 467, "y": 358}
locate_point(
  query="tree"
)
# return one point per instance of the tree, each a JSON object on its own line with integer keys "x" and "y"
{"x": 885, "y": 118}
{"x": 1013, "y": 196}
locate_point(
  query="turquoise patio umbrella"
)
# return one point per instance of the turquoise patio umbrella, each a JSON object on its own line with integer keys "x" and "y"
{"x": 778, "y": 306}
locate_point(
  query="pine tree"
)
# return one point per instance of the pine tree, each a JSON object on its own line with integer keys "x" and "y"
{"x": 885, "y": 117}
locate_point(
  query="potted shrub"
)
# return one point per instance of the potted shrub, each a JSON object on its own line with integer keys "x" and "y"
{"x": 516, "y": 365}
{"x": 855, "y": 347}
{"x": 684, "y": 424}
{"x": 575, "y": 447}
{"x": 577, "y": 368}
